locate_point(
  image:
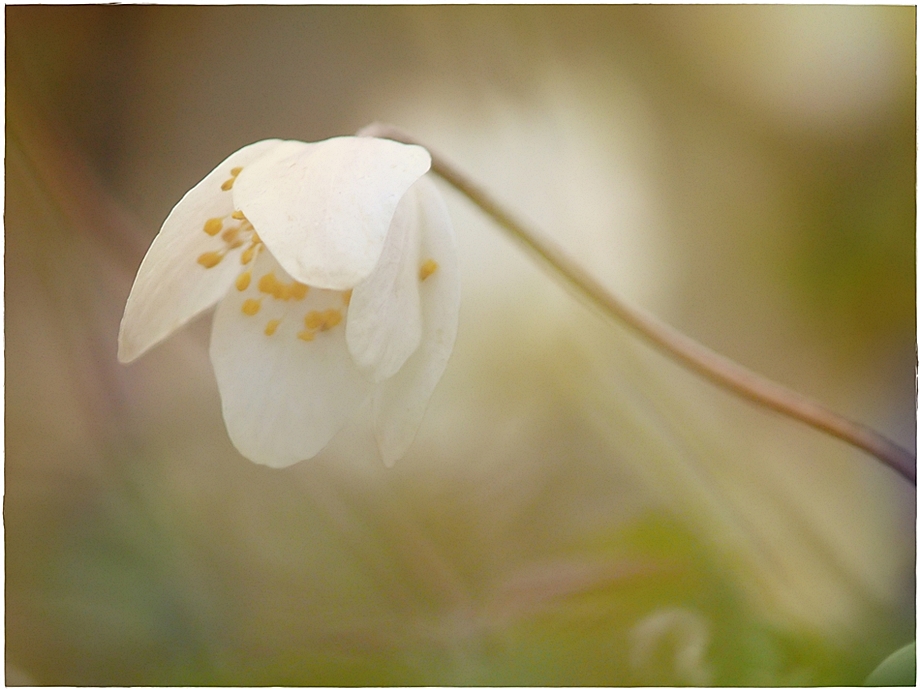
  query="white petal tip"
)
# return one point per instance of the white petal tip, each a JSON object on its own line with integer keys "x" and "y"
{"x": 126, "y": 353}
{"x": 392, "y": 448}
{"x": 275, "y": 463}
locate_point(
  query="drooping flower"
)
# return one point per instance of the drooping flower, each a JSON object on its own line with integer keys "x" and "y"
{"x": 334, "y": 270}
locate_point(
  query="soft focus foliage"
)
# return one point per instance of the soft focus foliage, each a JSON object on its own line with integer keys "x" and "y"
{"x": 898, "y": 669}
{"x": 576, "y": 509}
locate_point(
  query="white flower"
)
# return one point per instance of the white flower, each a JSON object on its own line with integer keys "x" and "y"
{"x": 334, "y": 269}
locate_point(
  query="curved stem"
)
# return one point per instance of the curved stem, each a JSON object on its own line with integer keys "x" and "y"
{"x": 717, "y": 368}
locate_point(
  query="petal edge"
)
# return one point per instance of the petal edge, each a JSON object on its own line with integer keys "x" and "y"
{"x": 323, "y": 209}
{"x": 171, "y": 287}
{"x": 401, "y": 401}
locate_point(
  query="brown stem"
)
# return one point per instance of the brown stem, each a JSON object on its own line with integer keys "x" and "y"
{"x": 717, "y": 368}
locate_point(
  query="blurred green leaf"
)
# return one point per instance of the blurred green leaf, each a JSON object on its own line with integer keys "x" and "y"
{"x": 898, "y": 669}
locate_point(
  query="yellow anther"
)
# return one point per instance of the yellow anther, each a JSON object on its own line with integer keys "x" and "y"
{"x": 298, "y": 290}
{"x": 251, "y": 307}
{"x": 238, "y": 215}
{"x": 333, "y": 319}
{"x": 346, "y": 297}
{"x": 268, "y": 283}
{"x": 229, "y": 183}
{"x": 212, "y": 226}
{"x": 210, "y": 259}
{"x": 236, "y": 244}
{"x": 272, "y": 326}
{"x": 230, "y": 234}
{"x": 254, "y": 238}
{"x": 248, "y": 253}
{"x": 242, "y": 280}
{"x": 313, "y": 320}
{"x": 427, "y": 268}
{"x": 322, "y": 320}
{"x": 319, "y": 321}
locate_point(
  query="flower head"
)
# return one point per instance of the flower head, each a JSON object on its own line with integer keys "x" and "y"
{"x": 334, "y": 271}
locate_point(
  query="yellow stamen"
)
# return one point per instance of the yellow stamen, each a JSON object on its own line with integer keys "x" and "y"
{"x": 210, "y": 259}
{"x": 251, "y": 307}
{"x": 298, "y": 291}
{"x": 230, "y": 234}
{"x": 212, "y": 226}
{"x": 268, "y": 283}
{"x": 313, "y": 320}
{"x": 238, "y": 215}
{"x": 346, "y": 297}
{"x": 247, "y": 254}
{"x": 306, "y": 336}
{"x": 272, "y": 326}
{"x": 229, "y": 183}
{"x": 242, "y": 281}
{"x": 323, "y": 320}
{"x": 333, "y": 317}
{"x": 427, "y": 268}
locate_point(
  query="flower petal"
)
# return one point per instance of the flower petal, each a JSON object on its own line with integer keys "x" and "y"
{"x": 323, "y": 209}
{"x": 400, "y": 402}
{"x": 287, "y": 381}
{"x": 385, "y": 317}
{"x": 173, "y": 284}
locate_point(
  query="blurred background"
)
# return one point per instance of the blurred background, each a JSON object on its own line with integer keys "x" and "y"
{"x": 576, "y": 509}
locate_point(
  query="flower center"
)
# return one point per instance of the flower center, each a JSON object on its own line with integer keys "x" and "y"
{"x": 234, "y": 231}
{"x": 282, "y": 298}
